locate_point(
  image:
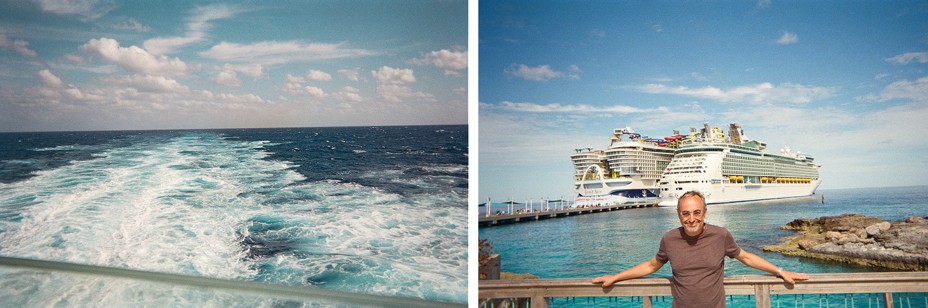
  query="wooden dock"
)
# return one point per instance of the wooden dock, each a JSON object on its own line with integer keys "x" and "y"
{"x": 493, "y": 220}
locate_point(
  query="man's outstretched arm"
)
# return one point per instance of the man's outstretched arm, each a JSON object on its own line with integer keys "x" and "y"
{"x": 640, "y": 270}
{"x": 759, "y": 263}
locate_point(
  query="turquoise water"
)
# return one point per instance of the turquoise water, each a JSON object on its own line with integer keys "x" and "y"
{"x": 589, "y": 246}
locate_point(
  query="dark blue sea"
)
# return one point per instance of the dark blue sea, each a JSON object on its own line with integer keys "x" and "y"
{"x": 378, "y": 210}
{"x": 593, "y": 245}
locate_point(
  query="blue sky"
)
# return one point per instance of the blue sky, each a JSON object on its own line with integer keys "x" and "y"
{"x": 103, "y": 65}
{"x": 843, "y": 81}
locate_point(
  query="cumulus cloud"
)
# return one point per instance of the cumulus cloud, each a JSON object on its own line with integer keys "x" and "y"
{"x": 295, "y": 79}
{"x": 277, "y": 52}
{"x": 758, "y": 93}
{"x": 197, "y": 25}
{"x": 397, "y": 93}
{"x": 349, "y": 94}
{"x": 134, "y": 58}
{"x": 88, "y": 9}
{"x": 577, "y": 108}
{"x": 19, "y": 46}
{"x": 450, "y": 61}
{"x": 149, "y": 83}
{"x": 916, "y": 90}
{"x": 318, "y": 75}
{"x": 538, "y": 73}
{"x": 906, "y": 58}
{"x": 389, "y": 75}
{"x": 228, "y": 76}
{"x": 391, "y": 85}
{"x": 49, "y": 79}
{"x": 788, "y": 38}
{"x": 352, "y": 74}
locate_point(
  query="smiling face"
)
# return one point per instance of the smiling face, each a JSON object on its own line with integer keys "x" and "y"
{"x": 692, "y": 213}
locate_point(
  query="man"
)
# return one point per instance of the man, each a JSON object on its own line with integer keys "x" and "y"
{"x": 697, "y": 253}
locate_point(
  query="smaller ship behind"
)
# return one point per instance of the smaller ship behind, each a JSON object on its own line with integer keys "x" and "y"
{"x": 626, "y": 172}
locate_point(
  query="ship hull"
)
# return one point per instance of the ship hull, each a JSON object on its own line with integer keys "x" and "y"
{"x": 732, "y": 193}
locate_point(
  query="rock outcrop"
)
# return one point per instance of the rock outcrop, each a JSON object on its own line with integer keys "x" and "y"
{"x": 861, "y": 240}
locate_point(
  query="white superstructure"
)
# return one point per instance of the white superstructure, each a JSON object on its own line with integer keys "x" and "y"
{"x": 735, "y": 169}
{"x": 627, "y": 171}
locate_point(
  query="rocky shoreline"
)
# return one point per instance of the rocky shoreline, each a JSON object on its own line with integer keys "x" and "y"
{"x": 861, "y": 240}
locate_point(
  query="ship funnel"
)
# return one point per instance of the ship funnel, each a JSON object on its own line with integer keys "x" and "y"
{"x": 734, "y": 131}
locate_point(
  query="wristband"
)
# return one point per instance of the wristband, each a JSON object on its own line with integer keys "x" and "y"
{"x": 779, "y": 272}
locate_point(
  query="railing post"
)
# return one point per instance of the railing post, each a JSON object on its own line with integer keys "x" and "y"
{"x": 646, "y": 302}
{"x": 762, "y": 295}
{"x": 888, "y": 300}
{"x": 539, "y": 301}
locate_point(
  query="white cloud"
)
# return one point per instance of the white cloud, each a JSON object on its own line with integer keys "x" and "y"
{"x": 906, "y": 58}
{"x": 351, "y": 74}
{"x": 149, "y": 83}
{"x": 763, "y": 4}
{"x": 276, "y": 52}
{"x": 89, "y": 9}
{"x": 314, "y": 91}
{"x": 318, "y": 75}
{"x": 50, "y": 80}
{"x": 573, "y": 72}
{"x": 295, "y": 79}
{"x": 296, "y": 88}
{"x": 391, "y": 85}
{"x": 397, "y": 93}
{"x": 132, "y": 24}
{"x": 758, "y": 93}
{"x": 228, "y": 76}
{"x": 541, "y": 72}
{"x": 788, "y": 38}
{"x": 450, "y": 61}
{"x": 349, "y": 94}
{"x": 578, "y": 108}
{"x": 903, "y": 89}
{"x": 134, "y": 58}
{"x": 389, "y": 75}
{"x": 197, "y": 25}
{"x": 19, "y": 46}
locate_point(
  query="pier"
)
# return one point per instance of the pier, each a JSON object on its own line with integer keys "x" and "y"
{"x": 534, "y": 215}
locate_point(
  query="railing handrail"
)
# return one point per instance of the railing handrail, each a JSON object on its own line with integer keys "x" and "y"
{"x": 264, "y": 289}
{"x": 762, "y": 286}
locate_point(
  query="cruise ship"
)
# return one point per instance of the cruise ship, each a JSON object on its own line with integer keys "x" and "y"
{"x": 735, "y": 168}
{"x": 626, "y": 172}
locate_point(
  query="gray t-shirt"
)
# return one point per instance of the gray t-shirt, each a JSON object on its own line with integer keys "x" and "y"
{"x": 698, "y": 265}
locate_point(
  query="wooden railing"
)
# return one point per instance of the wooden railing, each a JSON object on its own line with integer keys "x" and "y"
{"x": 539, "y": 291}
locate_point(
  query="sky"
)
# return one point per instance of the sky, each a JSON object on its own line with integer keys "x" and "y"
{"x": 117, "y": 65}
{"x": 842, "y": 81}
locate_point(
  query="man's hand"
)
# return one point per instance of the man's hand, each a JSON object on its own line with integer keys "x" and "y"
{"x": 792, "y": 277}
{"x": 607, "y": 280}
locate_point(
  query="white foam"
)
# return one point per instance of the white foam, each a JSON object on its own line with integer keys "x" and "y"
{"x": 159, "y": 206}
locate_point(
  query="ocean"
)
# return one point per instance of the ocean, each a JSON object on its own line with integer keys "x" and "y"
{"x": 377, "y": 210}
{"x": 592, "y": 245}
